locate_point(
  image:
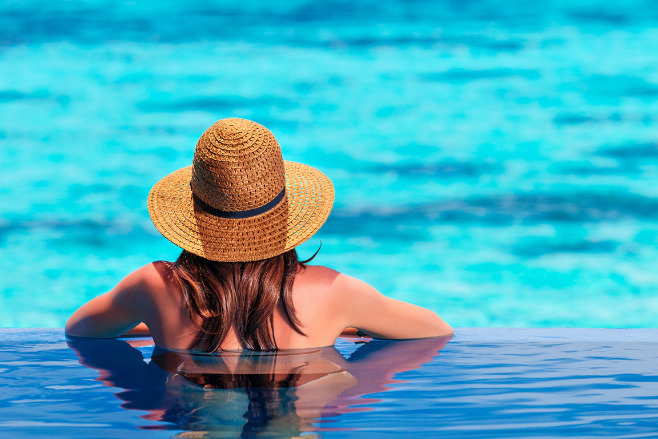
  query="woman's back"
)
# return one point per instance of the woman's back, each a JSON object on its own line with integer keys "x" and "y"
{"x": 166, "y": 312}
{"x": 314, "y": 307}
{"x": 325, "y": 303}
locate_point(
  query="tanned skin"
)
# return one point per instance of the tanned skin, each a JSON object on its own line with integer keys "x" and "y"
{"x": 149, "y": 300}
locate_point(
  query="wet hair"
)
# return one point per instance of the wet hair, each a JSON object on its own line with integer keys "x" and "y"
{"x": 238, "y": 295}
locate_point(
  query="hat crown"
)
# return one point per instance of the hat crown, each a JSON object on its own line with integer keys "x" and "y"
{"x": 237, "y": 166}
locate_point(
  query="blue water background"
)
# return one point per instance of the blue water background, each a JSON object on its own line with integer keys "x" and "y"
{"x": 494, "y": 161}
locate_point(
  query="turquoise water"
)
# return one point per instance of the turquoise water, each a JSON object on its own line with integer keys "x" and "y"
{"x": 485, "y": 383}
{"x": 493, "y": 161}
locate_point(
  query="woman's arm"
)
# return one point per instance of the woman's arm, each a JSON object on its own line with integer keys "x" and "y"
{"x": 116, "y": 312}
{"x": 363, "y": 307}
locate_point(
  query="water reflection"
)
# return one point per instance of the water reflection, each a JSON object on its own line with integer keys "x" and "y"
{"x": 248, "y": 394}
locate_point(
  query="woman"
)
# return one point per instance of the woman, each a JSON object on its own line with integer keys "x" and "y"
{"x": 238, "y": 213}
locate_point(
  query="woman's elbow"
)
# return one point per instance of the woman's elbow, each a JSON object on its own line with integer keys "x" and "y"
{"x": 75, "y": 327}
{"x": 439, "y": 328}
{"x": 444, "y": 330}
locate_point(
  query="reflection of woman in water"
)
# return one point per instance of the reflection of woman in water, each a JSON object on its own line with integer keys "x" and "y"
{"x": 238, "y": 213}
{"x": 233, "y": 395}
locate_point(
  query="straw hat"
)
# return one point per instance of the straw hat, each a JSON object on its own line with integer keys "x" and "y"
{"x": 240, "y": 201}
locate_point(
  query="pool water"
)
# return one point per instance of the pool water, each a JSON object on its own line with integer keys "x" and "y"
{"x": 483, "y": 383}
{"x": 494, "y": 161}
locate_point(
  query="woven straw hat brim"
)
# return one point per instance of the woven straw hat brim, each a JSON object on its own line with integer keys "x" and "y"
{"x": 305, "y": 207}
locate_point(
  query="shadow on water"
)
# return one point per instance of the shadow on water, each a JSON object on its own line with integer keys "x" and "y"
{"x": 246, "y": 393}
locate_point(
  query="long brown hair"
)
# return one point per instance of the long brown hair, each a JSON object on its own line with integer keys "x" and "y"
{"x": 238, "y": 295}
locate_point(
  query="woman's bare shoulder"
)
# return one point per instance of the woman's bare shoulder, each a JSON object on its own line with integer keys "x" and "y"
{"x": 318, "y": 273}
{"x": 355, "y": 303}
{"x": 148, "y": 283}
{"x": 334, "y": 285}
{"x": 321, "y": 276}
{"x": 130, "y": 302}
{"x": 154, "y": 275}
{"x": 331, "y": 277}
{"x": 160, "y": 273}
